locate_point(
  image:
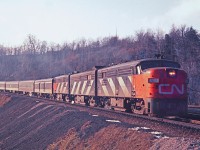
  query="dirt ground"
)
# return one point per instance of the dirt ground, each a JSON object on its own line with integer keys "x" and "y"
{"x": 4, "y": 99}
{"x": 110, "y": 137}
{"x": 27, "y": 123}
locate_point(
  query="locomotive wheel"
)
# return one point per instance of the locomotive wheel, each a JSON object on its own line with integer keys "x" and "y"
{"x": 108, "y": 105}
{"x": 102, "y": 104}
{"x": 87, "y": 103}
{"x": 91, "y": 102}
{"x": 138, "y": 109}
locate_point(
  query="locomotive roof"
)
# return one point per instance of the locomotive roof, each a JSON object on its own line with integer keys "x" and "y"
{"x": 61, "y": 76}
{"x": 11, "y": 81}
{"x": 27, "y": 81}
{"x": 130, "y": 63}
{"x": 134, "y": 63}
{"x": 83, "y": 73}
{"x": 44, "y": 80}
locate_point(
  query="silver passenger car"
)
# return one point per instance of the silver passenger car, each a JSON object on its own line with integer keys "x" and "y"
{"x": 12, "y": 86}
{"x": 26, "y": 87}
{"x": 2, "y": 86}
{"x": 44, "y": 87}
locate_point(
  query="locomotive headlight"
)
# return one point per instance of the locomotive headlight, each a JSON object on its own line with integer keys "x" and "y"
{"x": 172, "y": 73}
{"x": 153, "y": 80}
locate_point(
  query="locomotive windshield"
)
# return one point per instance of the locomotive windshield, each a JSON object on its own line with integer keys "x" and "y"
{"x": 159, "y": 63}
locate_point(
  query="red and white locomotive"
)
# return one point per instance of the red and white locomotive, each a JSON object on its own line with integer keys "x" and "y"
{"x": 148, "y": 86}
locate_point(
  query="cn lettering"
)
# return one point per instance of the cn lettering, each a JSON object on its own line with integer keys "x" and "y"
{"x": 170, "y": 89}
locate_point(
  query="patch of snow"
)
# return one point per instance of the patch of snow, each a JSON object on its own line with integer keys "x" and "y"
{"x": 158, "y": 136}
{"x": 135, "y": 129}
{"x": 145, "y": 128}
{"x": 156, "y": 133}
{"x": 117, "y": 121}
{"x": 165, "y": 137}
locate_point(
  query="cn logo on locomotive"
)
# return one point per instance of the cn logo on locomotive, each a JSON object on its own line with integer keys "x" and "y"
{"x": 170, "y": 89}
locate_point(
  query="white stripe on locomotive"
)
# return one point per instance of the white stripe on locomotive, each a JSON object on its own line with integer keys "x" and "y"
{"x": 89, "y": 88}
{"x": 73, "y": 88}
{"x": 112, "y": 85}
{"x": 78, "y": 87}
{"x": 123, "y": 86}
{"x": 83, "y": 87}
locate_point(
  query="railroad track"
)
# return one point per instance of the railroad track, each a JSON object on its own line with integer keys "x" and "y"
{"x": 194, "y": 110}
{"x": 194, "y": 114}
{"x": 188, "y": 122}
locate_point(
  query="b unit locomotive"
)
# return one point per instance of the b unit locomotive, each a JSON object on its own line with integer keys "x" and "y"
{"x": 148, "y": 86}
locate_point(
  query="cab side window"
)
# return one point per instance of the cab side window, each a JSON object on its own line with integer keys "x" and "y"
{"x": 138, "y": 70}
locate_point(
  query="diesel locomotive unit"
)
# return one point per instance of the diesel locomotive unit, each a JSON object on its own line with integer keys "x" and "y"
{"x": 148, "y": 86}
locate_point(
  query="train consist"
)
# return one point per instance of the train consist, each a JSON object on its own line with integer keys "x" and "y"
{"x": 148, "y": 86}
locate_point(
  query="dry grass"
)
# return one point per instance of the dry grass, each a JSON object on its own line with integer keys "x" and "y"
{"x": 69, "y": 141}
{"x": 4, "y": 99}
{"x": 110, "y": 137}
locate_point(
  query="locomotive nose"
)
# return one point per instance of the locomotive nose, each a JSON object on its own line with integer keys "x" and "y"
{"x": 166, "y": 82}
{"x": 160, "y": 74}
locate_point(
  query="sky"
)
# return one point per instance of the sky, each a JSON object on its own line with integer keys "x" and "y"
{"x": 60, "y": 21}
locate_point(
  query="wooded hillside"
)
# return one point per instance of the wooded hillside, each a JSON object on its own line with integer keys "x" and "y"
{"x": 36, "y": 59}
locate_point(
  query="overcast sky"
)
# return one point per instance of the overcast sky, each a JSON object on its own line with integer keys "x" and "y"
{"x": 61, "y": 21}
